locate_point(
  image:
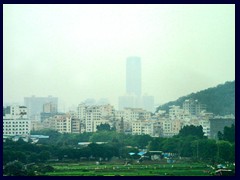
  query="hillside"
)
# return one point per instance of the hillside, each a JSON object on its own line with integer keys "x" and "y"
{"x": 220, "y": 100}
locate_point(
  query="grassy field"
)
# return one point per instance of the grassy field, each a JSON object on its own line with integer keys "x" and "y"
{"x": 74, "y": 169}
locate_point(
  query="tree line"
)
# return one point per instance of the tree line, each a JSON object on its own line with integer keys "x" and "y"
{"x": 190, "y": 142}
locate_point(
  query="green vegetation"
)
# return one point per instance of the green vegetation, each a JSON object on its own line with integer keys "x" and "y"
{"x": 183, "y": 169}
{"x": 105, "y": 127}
{"x": 228, "y": 134}
{"x": 220, "y": 100}
{"x": 188, "y": 144}
{"x": 191, "y": 131}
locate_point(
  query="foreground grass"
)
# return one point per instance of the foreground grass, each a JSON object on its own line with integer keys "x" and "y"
{"x": 129, "y": 170}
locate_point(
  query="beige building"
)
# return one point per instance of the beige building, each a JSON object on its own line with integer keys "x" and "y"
{"x": 175, "y": 112}
{"x": 131, "y": 114}
{"x": 50, "y": 107}
{"x": 91, "y": 116}
{"x": 171, "y": 127}
{"x": 150, "y": 127}
{"x": 63, "y": 123}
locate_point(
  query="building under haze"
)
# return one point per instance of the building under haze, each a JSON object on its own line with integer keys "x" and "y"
{"x": 35, "y": 105}
{"x": 49, "y": 110}
{"x": 133, "y": 97}
{"x": 129, "y": 101}
{"x": 133, "y": 76}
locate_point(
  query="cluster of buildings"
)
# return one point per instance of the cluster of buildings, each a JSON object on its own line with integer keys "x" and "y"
{"x": 134, "y": 114}
{"x": 135, "y": 121}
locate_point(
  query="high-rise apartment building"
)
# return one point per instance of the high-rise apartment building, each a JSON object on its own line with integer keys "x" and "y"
{"x": 133, "y": 76}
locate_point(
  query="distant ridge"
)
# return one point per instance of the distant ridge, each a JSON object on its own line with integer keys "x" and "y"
{"x": 220, "y": 100}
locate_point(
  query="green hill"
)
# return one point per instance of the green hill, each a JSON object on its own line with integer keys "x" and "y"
{"x": 220, "y": 100}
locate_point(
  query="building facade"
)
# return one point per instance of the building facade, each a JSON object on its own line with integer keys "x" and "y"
{"x": 16, "y": 121}
{"x": 92, "y": 116}
{"x": 193, "y": 107}
{"x": 35, "y": 105}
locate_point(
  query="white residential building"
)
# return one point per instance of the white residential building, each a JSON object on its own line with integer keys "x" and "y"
{"x": 205, "y": 123}
{"x": 131, "y": 114}
{"x": 15, "y": 121}
{"x": 63, "y": 123}
{"x": 150, "y": 127}
{"x": 194, "y": 107}
{"x": 171, "y": 127}
{"x": 89, "y": 114}
{"x": 175, "y": 112}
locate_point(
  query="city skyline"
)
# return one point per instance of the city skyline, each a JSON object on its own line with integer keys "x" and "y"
{"x": 75, "y": 52}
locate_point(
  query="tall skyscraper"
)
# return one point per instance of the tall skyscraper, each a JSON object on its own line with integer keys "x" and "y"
{"x": 133, "y": 76}
{"x": 133, "y": 97}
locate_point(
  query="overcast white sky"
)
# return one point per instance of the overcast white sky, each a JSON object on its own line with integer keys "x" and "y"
{"x": 76, "y": 52}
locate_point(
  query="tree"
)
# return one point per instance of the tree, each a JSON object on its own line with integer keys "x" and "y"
{"x": 185, "y": 149}
{"x": 171, "y": 145}
{"x": 104, "y": 127}
{"x": 14, "y": 168}
{"x": 154, "y": 145}
{"x": 44, "y": 156}
{"x": 84, "y": 152}
{"x": 220, "y": 135}
{"x": 204, "y": 149}
{"x": 224, "y": 150}
{"x": 229, "y": 133}
{"x": 191, "y": 131}
{"x": 33, "y": 158}
{"x": 142, "y": 140}
{"x": 96, "y": 150}
{"x": 232, "y": 153}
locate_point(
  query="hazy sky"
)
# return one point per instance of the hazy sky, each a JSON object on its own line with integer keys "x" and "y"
{"x": 76, "y": 52}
